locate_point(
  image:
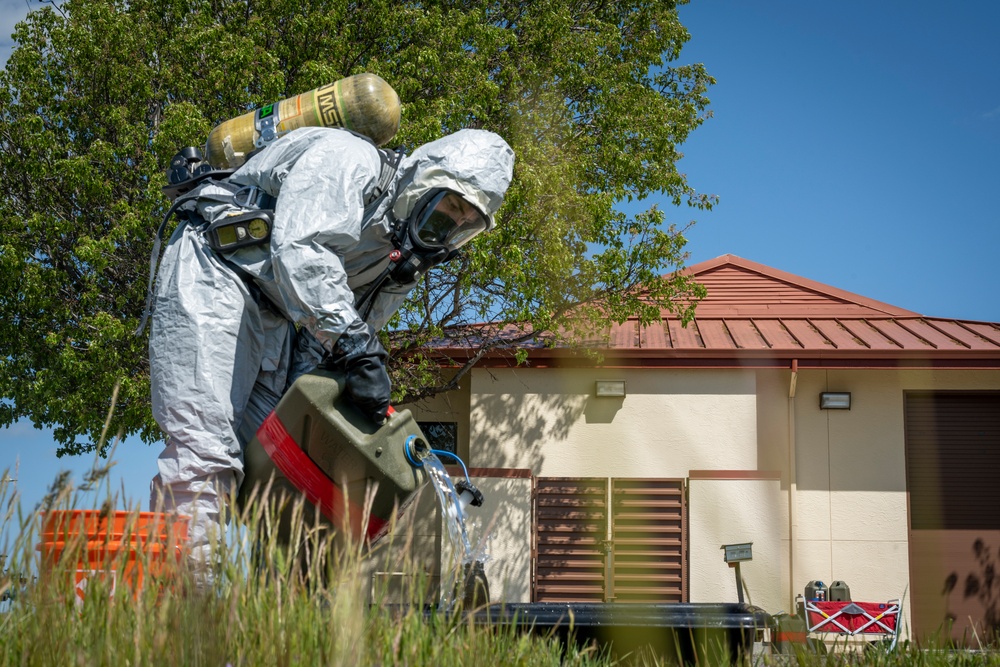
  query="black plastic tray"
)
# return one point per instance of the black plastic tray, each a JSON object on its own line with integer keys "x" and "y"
{"x": 687, "y": 631}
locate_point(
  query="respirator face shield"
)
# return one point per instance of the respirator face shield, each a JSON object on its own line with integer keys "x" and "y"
{"x": 442, "y": 222}
{"x": 446, "y": 222}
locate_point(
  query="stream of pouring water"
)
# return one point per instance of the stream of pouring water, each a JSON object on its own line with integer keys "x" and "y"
{"x": 454, "y": 519}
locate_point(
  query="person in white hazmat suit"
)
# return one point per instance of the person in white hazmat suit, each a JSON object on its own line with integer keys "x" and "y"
{"x": 232, "y": 330}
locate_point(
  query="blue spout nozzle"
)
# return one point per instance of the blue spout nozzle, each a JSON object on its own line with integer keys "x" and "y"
{"x": 416, "y": 450}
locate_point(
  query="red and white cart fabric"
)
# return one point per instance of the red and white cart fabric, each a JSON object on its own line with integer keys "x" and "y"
{"x": 854, "y": 618}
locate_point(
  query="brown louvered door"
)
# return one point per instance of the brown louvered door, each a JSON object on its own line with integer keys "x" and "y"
{"x": 649, "y": 540}
{"x": 633, "y": 553}
{"x": 570, "y": 539}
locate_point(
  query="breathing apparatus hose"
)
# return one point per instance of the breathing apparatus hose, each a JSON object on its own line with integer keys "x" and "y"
{"x": 154, "y": 258}
{"x": 364, "y": 305}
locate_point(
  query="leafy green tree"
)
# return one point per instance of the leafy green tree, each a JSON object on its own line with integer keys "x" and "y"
{"x": 99, "y": 94}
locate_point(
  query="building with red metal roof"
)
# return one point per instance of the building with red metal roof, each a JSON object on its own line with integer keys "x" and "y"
{"x": 757, "y": 316}
{"x": 620, "y": 480}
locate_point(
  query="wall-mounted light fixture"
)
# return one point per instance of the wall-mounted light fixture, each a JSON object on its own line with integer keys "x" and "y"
{"x": 835, "y": 400}
{"x": 609, "y": 388}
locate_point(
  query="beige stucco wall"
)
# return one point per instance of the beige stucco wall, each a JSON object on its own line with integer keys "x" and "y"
{"x": 404, "y": 566}
{"x": 837, "y": 511}
{"x": 851, "y": 483}
{"x": 669, "y": 422}
{"x": 505, "y": 516}
{"x": 407, "y": 565}
{"x": 849, "y": 511}
{"x": 501, "y": 530}
{"x": 422, "y": 544}
{"x": 734, "y": 511}
{"x": 451, "y": 406}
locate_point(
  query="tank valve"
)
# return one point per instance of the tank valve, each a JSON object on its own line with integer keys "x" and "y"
{"x": 416, "y": 450}
{"x": 468, "y": 494}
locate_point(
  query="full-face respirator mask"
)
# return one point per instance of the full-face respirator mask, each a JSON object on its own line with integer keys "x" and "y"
{"x": 442, "y": 222}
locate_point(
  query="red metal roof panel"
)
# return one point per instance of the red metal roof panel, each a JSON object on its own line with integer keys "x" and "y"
{"x": 872, "y": 337}
{"x": 738, "y": 286}
{"x": 841, "y": 338}
{"x": 932, "y": 335}
{"x": 758, "y": 315}
{"x": 988, "y": 331}
{"x": 624, "y": 335}
{"x": 808, "y": 335}
{"x": 903, "y": 337}
{"x": 777, "y": 335}
{"x": 827, "y": 310}
{"x": 731, "y": 285}
{"x": 963, "y": 335}
{"x": 684, "y": 337}
{"x": 654, "y": 337}
{"x": 714, "y": 335}
{"x": 746, "y": 335}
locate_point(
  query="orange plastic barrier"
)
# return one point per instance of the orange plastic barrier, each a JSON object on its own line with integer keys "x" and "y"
{"x": 132, "y": 545}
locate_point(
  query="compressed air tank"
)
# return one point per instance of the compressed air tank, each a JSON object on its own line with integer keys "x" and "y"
{"x": 354, "y": 476}
{"x": 364, "y": 103}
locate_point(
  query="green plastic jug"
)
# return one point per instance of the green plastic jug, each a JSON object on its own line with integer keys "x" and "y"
{"x": 354, "y": 476}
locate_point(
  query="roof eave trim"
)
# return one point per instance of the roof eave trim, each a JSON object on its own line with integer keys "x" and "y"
{"x": 644, "y": 358}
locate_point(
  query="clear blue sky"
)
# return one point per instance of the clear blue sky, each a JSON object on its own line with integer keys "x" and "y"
{"x": 855, "y": 143}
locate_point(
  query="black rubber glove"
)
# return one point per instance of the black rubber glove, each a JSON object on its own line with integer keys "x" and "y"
{"x": 361, "y": 356}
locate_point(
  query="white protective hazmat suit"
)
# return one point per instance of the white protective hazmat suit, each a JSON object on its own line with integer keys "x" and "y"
{"x": 221, "y": 356}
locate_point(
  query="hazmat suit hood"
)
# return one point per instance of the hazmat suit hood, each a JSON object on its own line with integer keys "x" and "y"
{"x": 477, "y": 164}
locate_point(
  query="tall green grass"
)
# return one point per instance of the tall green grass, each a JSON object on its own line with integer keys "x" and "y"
{"x": 273, "y": 605}
{"x": 267, "y": 605}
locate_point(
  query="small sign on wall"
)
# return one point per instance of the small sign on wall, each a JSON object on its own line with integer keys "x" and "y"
{"x": 736, "y": 553}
